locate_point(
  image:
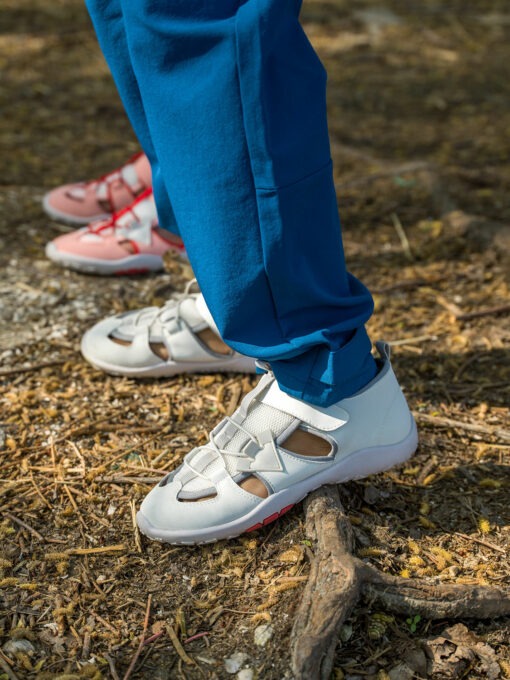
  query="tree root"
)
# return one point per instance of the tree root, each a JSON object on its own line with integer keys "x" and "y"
{"x": 338, "y": 580}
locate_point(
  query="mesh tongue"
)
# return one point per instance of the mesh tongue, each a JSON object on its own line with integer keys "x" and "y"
{"x": 260, "y": 418}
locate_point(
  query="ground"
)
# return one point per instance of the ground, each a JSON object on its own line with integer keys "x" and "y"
{"x": 419, "y": 99}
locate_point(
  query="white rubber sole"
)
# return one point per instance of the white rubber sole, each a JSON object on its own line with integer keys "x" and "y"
{"x": 67, "y": 218}
{"x": 356, "y": 465}
{"x": 168, "y": 369}
{"x": 133, "y": 264}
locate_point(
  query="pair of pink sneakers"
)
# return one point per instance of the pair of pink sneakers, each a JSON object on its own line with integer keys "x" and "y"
{"x": 119, "y": 231}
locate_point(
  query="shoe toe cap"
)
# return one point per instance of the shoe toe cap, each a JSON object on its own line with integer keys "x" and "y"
{"x": 63, "y": 201}
{"x": 98, "y": 347}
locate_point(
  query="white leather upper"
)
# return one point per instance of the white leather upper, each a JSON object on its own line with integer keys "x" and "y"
{"x": 252, "y": 442}
{"x": 175, "y": 325}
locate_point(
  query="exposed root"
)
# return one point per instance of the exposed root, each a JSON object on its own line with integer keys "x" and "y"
{"x": 338, "y": 579}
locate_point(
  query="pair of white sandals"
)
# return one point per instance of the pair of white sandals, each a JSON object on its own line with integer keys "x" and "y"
{"x": 206, "y": 498}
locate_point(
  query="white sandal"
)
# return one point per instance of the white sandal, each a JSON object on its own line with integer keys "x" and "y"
{"x": 125, "y": 344}
{"x": 206, "y": 499}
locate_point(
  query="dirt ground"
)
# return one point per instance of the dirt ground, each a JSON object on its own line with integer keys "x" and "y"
{"x": 420, "y": 127}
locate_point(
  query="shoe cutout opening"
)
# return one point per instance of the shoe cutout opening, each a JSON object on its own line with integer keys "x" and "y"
{"x": 197, "y": 500}
{"x": 129, "y": 247}
{"x": 255, "y": 486}
{"x": 207, "y": 336}
{"x": 251, "y": 484}
{"x": 306, "y": 443}
{"x": 213, "y": 342}
{"x": 158, "y": 348}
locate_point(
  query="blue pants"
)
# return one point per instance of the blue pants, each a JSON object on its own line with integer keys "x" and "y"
{"x": 227, "y": 98}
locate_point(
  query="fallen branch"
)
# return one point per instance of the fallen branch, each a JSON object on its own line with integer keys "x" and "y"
{"x": 13, "y": 370}
{"x": 459, "y": 424}
{"x": 338, "y": 580}
{"x": 488, "y": 311}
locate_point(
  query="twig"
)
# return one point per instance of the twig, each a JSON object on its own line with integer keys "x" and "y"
{"x": 178, "y": 647}
{"x": 459, "y": 315}
{"x": 25, "y": 526}
{"x": 85, "y": 653}
{"x": 75, "y": 506}
{"x": 97, "y": 551}
{"x": 113, "y": 670}
{"x": 39, "y": 492}
{"x": 469, "y": 427}
{"x": 127, "y": 480}
{"x": 136, "y": 532}
{"x": 197, "y": 636}
{"x": 403, "y": 285}
{"x": 8, "y": 670}
{"x": 153, "y": 638}
{"x": 413, "y": 341}
{"x": 481, "y": 542}
{"x": 106, "y": 623}
{"x": 13, "y": 370}
{"x": 488, "y": 311}
{"x": 142, "y": 640}
{"x": 406, "y": 247}
{"x": 123, "y": 453}
{"x": 455, "y": 311}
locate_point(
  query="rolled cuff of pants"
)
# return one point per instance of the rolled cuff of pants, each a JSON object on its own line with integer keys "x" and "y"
{"x": 323, "y": 377}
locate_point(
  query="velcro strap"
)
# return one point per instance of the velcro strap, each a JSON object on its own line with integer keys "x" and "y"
{"x": 323, "y": 419}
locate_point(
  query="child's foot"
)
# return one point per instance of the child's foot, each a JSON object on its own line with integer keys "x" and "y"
{"x": 85, "y": 202}
{"x": 129, "y": 242}
{"x": 179, "y": 337}
{"x": 272, "y": 452}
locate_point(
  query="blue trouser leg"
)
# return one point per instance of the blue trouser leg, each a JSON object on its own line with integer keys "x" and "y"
{"x": 234, "y": 99}
{"x": 108, "y": 23}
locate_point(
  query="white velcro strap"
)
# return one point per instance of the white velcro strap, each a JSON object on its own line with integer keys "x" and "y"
{"x": 206, "y": 315}
{"x": 140, "y": 232}
{"x": 129, "y": 175}
{"x": 323, "y": 419}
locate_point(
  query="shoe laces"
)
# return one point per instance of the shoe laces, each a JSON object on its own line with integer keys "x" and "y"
{"x": 217, "y": 450}
{"x": 113, "y": 221}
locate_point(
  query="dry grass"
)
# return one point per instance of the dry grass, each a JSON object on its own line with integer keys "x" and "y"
{"x": 419, "y": 119}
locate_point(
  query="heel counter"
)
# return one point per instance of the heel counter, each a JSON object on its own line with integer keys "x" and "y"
{"x": 397, "y": 421}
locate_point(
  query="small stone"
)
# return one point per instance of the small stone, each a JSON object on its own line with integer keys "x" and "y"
{"x": 346, "y": 632}
{"x": 234, "y": 662}
{"x": 245, "y": 674}
{"x": 401, "y": 672}
{"x": 263, "y": 634}
{"x": 19, "y": 646}
{"x": 2, "y": 438}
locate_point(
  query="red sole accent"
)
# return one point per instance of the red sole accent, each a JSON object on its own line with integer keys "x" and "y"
{"x": 131, "y": 272}
{"x": 270, "y": 519}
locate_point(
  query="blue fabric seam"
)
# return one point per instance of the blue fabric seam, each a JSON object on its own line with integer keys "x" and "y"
{"x": 280, "y": 187}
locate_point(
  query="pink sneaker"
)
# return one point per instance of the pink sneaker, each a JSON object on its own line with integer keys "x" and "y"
{"x": 85, "y": 202}
{"x": 129, "y": 242}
